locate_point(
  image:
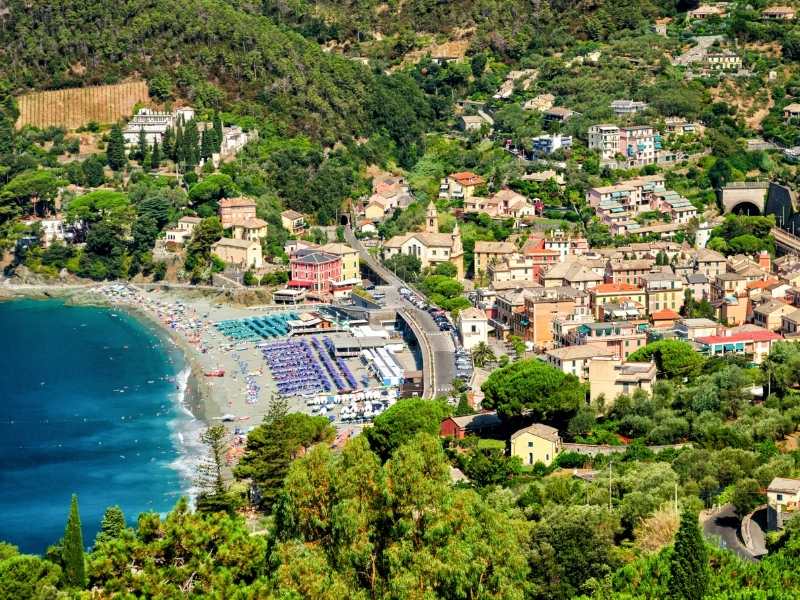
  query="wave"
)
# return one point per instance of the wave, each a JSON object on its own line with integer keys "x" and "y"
{"x": 186, "y": 430}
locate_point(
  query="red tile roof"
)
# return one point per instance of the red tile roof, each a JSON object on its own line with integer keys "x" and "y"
{"x": 467, "y": 178}
{"x": 604, "y": 288}
{"x": 744, "y": 336}
{"x": 663, "y": 315}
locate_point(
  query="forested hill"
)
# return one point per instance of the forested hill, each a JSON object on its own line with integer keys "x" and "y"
{"x": 206, "y": 49}
{"x": 507, "y": 26}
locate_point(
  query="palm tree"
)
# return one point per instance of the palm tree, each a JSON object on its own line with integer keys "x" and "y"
{"x": 482, "y": 354}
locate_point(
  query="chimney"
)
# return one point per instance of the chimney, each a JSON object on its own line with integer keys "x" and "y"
{"x": 765, "y": 261}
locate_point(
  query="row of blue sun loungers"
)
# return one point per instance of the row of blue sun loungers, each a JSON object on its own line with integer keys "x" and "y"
{"x": 257, "y": 328}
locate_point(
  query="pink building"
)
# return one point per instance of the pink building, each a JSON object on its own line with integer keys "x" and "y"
{"x": 315, "y": 270}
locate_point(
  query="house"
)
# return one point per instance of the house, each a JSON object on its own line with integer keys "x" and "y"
{"x": 624, "y": 337}
{"x": 628, "y": 271}
{"x": 660, "y": 26}
{"x": 780, "y": 13}
{"x": 505, "y": 204}
{"x": 460, "y": 427}
{"x": 351, "y": 265}
{"x": 558, "y": 114}
{"x": 244, "y": 254}
{"x": 544, "y": 145}
{"x": 236, "y": 210}
{"x": 605, "y": 139}
{"x": 662, "y": 290}
{"x": 790, "y": 324}
{"x": 293, "y": 222}
{"x": 460, "y": 186}
{"x": 791, "y": 111}
{"x": 540, "y": 103}
{"x": 566, "y": 244}
{"x": 531, "y": 313}
{"x": 783, "y": 501}
{"x": 608, "y": 293}
{"x": 769, "y": 315}
{"x": 470, "y": 123}
{"x": 574, "y": 360}
{"x": 633, "y": 195}
{"x": 537, "y": 443}
{"x": 430, "y": 246}
{"x": 627, "y": 107}
{"x": 699, "y": 285}
{"x": 451, "y": 51}
{"x": 154, "y": 124}
{"x": 691, "y": 329}
{"x": 473, "y": 327}
{"x": 664, "y": 319}
{"x": 724, "y": 60}
{"x": 234, "y": 138}
{"x": 754, "y": 343}
{"x": 610, "y": 377}
{"x": 183, "y": 230}
{"x": 638, "y": 144}
{"x": 705, "y": 11}
{"x": 314, "y": 269}
{"x": 249, "y": 229}
{"x": 571, "y": 273}
{"x": 709, "y": 262}
{"x": 487, "y": 253}
{"x": 516, "y": 267}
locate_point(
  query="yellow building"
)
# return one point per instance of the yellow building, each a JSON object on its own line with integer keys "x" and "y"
{"x": 374, "y": 211}
{"x": 351, "y": 268}
{"x": 251, "y": 230}
{"x": 293, "y": 222}
{"x": 663, "y": 290}
{"x": 239, "y": 253}
{"x": 536, "y": 443}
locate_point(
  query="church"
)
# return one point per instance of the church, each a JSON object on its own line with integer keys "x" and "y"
{"x": 430, "y": 246}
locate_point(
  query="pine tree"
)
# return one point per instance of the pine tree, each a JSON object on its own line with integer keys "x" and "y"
{"x": 72, "y": 550}
{"x": 115, "y": 152}
{"x": 142, "y": 149}
{"x": 213, "y": 495}
{"x": 689, "y": 561}
{"x": 217, "y": 132}
{"x": 155, "y": 157}
{"x": 112, "y": 525}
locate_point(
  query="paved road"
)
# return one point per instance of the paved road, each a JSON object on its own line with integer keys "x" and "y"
{"x": 723, "y": 528}
{"x": 436, "y": 345}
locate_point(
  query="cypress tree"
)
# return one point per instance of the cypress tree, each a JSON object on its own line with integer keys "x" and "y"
{"x": 112, "y": 525}
{"x": 206, "y": 144}
{"x": 178, "y": 154}
{"x": 689, "y": 561}
{"x": 142, "y": 152}
{"x": 217, "y": 132}
{"x": 168, "y": 144}
{"x": 155, "y": 157}
{"x": 191, "y": 144}
{"x": 115, "y": 152}
{"x": 72, "y": 550}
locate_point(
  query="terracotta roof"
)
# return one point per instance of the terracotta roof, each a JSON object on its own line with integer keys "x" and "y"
{"x": 231, "y": 202}
{"x": 608, "y": 288}
{"x": 664, "y": 315}
{"x": 467, "y": 178}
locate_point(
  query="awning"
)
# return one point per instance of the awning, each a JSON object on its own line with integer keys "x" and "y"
{"x": 300, "y": 283}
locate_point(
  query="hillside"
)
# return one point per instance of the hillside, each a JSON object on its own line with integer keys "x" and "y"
{"x": 204, "y": 50}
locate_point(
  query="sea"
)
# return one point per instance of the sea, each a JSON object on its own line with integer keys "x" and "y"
{"x": 92, "y": 402}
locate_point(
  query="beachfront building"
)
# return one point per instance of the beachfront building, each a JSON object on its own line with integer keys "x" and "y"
{"x": 242, "y": 254}
{"x": 351, "y": 266}
{"x": 183, "y": 230}
{"x": 536, "y": 443}
{"x": 473, "y": 327}
{"x": 293, "y": 222}
{"x": 315, "y": 270}
{"x": 154, "y": 124}
{"x": 232, "y": 210}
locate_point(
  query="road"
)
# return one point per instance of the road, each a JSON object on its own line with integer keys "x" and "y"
{"x": 723, "y": 528}
{"x": 436, "y": 346}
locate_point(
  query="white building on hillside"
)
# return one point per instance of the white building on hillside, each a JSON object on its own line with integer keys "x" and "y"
{"x": 154, "y": 124}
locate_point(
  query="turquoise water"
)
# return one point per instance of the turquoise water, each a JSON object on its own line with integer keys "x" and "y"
{"x": 89, "y": 404}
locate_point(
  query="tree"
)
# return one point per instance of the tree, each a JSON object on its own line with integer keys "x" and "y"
{"x": 198, "y": 250}
{"x": 115, "y": 151}
{"x": 93, "y": 171}
{"x": 746, "y": 496}
{"x": 141, "y": 150}
{"x": 535, "y": 388}
{"x": 206, "y": 144}
{"x": 405, "y": 266}
{"x": 155, "y": 157}
{"x": 673, "y": 358}
{"x": 273, "y": 445}
{"x": 689, "y": 560}
{"x": 213, "y": 494}
{"x": 112, "y": 525}
{"x": 217, "y": 126}
{"x": 402, "y": 421}
{"x": 482, "y": 354}
{"x": 72, "y": 550}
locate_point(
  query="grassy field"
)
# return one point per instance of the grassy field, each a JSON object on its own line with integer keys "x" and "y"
{"x": 73, "y": 108}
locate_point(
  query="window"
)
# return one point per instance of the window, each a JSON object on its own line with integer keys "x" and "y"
{"x": 530, "y": 444}
{"x": 530, "y": 458}
{"x": 780, "y": 496}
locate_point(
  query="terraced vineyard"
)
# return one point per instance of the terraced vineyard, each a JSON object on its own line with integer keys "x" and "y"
{"x": 72, "y": 108}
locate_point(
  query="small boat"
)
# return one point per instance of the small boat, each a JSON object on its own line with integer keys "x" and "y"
{"x": 215, "y": 373}
{"x": 227, "y": 418}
